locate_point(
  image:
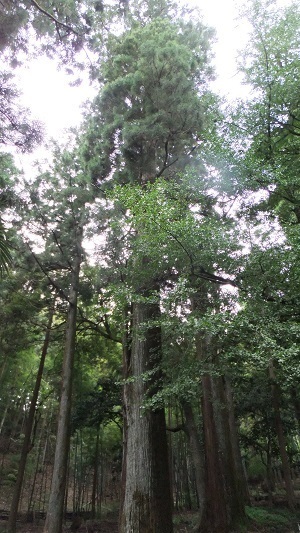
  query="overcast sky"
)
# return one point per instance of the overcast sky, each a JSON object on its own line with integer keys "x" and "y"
{"x": 47, "y": 93}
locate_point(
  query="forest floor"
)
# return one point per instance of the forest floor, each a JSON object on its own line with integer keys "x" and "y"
{"x": 264, "y": 522}
{"x": 260, "y": 520}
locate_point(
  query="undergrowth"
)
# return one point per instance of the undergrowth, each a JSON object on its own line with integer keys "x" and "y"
{"x": 275, "y": 519}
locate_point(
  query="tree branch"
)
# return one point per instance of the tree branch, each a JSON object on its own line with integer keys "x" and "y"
{"x": 51, "y": 281}
{"x": 53, "y": 18}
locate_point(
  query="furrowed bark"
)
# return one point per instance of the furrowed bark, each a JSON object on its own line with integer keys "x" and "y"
{"x": 147, "y": 504}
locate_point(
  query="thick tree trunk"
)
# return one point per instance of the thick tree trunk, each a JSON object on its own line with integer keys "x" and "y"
{"x": 147, "y": 504}
{"x": 215, "y": 519}
{"x": 54, "y": 517}
{"x": 281, "y": 437}
{"x": 28, "y": 430}
{"x": 126, "y": 358}
{"x": 242, "y": 485}
{"x": 234, "y": 492}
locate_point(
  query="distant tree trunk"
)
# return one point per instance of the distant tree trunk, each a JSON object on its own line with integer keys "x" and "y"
{"x": 197, "y": 454}
{"x": 95, "y": 475}
{"x": 4, "y": 415}
{"x": 3, "y": 368}
{"x": 31, "y": 499}
{"x": 270, "y": 476}
{"x": 147, "y": 504}
{"x": 54, "y": 517}
{"x": 234, "y": 437}
{"x": 186, "y": 500}
{"x": 296, "y": 404}
{"x": 281, "y": 436}
{"x": 28, "y": 430}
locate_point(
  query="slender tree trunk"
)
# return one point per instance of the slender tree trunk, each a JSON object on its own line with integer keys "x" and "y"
{"x": 186, "y": 500}
{"x": 3, "y": 368}
{"x": 28, "y": 430}
{"x": 296, "y": 404}
{"x": 75, "y": 475}
{"x": 171, "y": 456}
{"x": 147, "y": 504}
{"x": 54, "y": 517}
{"x": 31, "y": 499}
{"x": 281, "y": 437}
{"x": 95, "y": 475}
{"x": 4, "y": 416}
{"x": 270, "y": 480}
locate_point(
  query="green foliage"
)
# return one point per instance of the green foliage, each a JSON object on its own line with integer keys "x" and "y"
{"x": 99, "y": 406}
{"x": 266, "y": 517}
{"x": 16, "y": 128}
{"x": 167, "y": 173}
{"x": 149, "y": 114}
{"x": 5, "y": 255}
{"x": 271, "y": 119}
{"x": 177, "y": 228}
{"x": 256, "y": 469}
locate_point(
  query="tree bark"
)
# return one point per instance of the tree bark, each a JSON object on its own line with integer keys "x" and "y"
{"x": 281, "y": 437}
{"x": 224, "y": 507}
{"x": 28, "y": 430}
{"x": 234, "y": 493}
{"x": 241, "y": 480}
{"x": 54, "y": 517}
{"x": 4, "y": 415}
{"x": 215, "y": 519}
{"x": 296, "y": 404}
{"x": 197, "y": 454}
{"x": 147, "y": 504}
{"x": 95, "y": 476}
{"x": 126, "y": 358}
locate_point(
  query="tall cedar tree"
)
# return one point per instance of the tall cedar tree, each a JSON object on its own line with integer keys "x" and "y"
{"x": 144, "y": 124}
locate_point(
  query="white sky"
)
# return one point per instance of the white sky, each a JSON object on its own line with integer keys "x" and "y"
{"x": 47, "y": 93}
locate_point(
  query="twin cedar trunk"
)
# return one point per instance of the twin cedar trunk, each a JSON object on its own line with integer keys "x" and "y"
{"x": 276, "y": 394}
{"x": 196, "y": 455}
{"x": 224, "y": 488}
{"x": 225, "y": 494}
{"x": 147, "y": 503}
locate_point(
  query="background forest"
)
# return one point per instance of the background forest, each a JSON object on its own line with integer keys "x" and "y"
{"x": 149, "y": 317}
